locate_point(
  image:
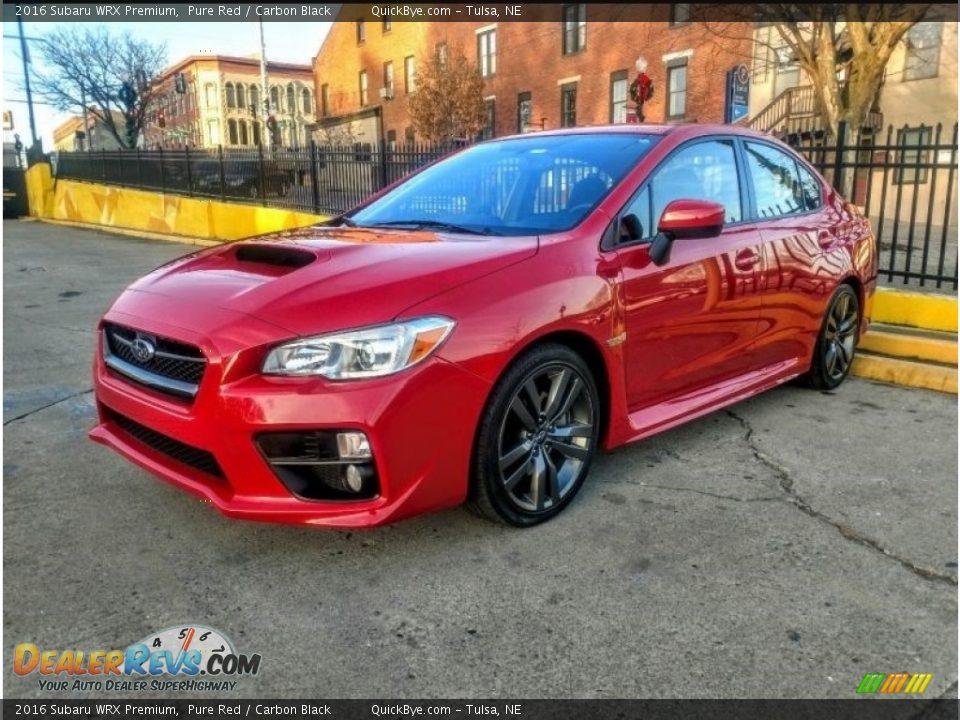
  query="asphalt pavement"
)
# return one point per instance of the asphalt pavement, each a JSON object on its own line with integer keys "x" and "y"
{"x": 782, "y": 548}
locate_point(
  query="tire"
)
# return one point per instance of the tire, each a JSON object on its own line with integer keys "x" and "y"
{"x": 836, "y": 343}
{"x": 537, "y": 438}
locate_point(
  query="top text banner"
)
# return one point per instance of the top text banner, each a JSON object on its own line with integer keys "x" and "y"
{"x": 402, "y": 12}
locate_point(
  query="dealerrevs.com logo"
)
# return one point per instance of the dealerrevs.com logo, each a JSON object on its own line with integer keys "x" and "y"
{"x": 187, "y": 658}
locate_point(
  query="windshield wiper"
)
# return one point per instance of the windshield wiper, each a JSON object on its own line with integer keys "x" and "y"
{"x": 341, "y": 220}
{"x": 435, "y": 224}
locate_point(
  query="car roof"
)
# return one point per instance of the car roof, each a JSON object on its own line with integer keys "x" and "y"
{"x": 684, "y": 130}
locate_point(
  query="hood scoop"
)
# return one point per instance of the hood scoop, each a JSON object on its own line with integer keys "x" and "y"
{"x": 280, "y": 256}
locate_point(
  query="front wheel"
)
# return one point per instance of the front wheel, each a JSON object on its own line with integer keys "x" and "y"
{"x": 537, "y": 438}
{"x": 837, "y": 341}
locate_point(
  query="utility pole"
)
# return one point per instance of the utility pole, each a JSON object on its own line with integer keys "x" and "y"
{"x": 25, "y": 56}
{"x": 264, "y": 90}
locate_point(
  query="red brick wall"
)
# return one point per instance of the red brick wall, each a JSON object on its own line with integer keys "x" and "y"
{"x": 529, "y": 58}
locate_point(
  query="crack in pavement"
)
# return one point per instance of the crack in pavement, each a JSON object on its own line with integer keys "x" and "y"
{"x": 48, "y": 405}
{"x": 787, "y": 485}
{"x": 719, "y": 496}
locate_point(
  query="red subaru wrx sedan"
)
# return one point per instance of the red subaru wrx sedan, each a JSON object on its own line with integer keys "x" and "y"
{"x": 478, "y": 331}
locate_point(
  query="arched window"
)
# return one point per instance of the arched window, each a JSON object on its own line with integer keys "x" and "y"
{"x": 232, "y": 131}
{"x": 306, "y": 103}
{"x": 291, "y": 99}
{"x": 256, "y": 132}
{"x": 231, "y": 95}
{"x": 244, "y": 139}
{"x": 275, "y": 98}
{"x": 241, "y": 96}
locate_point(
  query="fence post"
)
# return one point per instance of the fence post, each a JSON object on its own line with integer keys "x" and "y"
{"x": 103, "y": 165}
{"x": 163, "y": 172}
{"x": 383, "y": 164}
{"x": 223, "y": 180}
{"x": 139, "y": 169}
{"x": 314, "y": 176}
{"x": 263, "y": 195}
{"x": 186, "y": 150}
{"x": 840, "y": 156}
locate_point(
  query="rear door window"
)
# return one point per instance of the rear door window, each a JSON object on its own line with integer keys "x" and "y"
{"x": 776, "y": 181}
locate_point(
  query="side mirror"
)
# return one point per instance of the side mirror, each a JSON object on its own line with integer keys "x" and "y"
{"x": 685, "y": 219}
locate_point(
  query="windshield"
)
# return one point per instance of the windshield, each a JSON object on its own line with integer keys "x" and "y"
{"x": 525, "y": 186}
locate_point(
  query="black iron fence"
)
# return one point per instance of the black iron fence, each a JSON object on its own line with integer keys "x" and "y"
{"x": 905, "y": 181}
{"x": 316, "y": 178}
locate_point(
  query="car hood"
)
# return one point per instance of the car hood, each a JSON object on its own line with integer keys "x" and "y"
{"x": 319, "y": 279}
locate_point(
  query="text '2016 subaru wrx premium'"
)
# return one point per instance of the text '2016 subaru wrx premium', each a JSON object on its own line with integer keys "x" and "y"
{"x": 480, "y": 330}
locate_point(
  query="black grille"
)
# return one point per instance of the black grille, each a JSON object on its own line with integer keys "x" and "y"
{"x": 188, "y": 366}
{"x": 181, "y": 452}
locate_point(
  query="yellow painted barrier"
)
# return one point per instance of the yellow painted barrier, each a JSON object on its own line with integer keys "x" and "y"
{"x": 131, "y": 209}
{"x": 906, "y": 372}
{"x": 929, "y": 311}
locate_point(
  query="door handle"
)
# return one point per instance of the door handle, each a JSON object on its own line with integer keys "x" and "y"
{"x": 746, "y": 259}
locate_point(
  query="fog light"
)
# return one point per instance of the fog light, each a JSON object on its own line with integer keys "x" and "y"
{"x": 353, "y": 446}
{"x": 353, "y": 477}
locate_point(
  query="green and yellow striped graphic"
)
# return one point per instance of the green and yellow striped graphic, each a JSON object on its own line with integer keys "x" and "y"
{"x": 895, "y": 683}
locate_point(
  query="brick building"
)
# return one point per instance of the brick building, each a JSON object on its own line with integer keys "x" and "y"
{"x": 573, "y": 67}
{"x": 216, "y": 107}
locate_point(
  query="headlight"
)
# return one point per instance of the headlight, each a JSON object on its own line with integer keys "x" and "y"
{"x": 370, "y": 352}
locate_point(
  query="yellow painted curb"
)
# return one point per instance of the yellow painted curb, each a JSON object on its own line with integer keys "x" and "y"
{"x": 910, "y": 347}
{"x": 930, "y": 311}
{"x": 906, "y": 372}
{"x": 135, "y": 233}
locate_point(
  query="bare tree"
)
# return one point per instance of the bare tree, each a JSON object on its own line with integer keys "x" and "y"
{"x": 843, "y": 49}
{"x": 111, "y": 76}
{"x": 448, "y": 102}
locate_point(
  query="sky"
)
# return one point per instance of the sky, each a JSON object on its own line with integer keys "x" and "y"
{"x": 286, "y": 42}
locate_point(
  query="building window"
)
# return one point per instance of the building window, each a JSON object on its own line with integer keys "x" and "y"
{"x": 487, "y": 52}
{"x": 915, "y": 151}
{"x": 210, "y": 90}
{"x": 679, "y": 14}
{"x": 388, "y": 78}
{"x": 574, "y": 27}
{"x": 490, "y": 113}
{"x": 361, "y": 31}
{"x": 524, "y": 111}
{"x": 291, "y": 99}
{"x": 244, "y": 138}
{"x": 306, "y": 103}
{"x": 387, "y": 26}
{"x": 409, "y": 74}
{"x": 618, "y": 96}
{"x": 408, "y": 135}
{"x": 442, "y": 54}
{"x": 676, "y": 89}
{"x": 923, "y": 51}
{"x": 232, "y": 131}
{"x": 213, "y": 132}
{"x": 325, "y": 99}
{"x": 255, "y": 99}
{"x": 231, "y": 95}
{"x": 275, "y": 98}
{"x": 364, "y": 87}
{"x": 568, "y": 105}
{"x": 761, "y": 52}
{"x": 391, "y": 140}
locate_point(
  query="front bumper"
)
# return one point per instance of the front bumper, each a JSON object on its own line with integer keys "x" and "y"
{"x": 420, "y": 423}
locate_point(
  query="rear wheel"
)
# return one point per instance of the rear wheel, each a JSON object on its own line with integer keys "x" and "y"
{"x": 837, "y": 341}
{"x": 537, "y": 437}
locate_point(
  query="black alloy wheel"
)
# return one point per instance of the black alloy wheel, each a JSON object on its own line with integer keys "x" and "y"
{"x": 537, "y": 438}
{"x": 837, "y": 342}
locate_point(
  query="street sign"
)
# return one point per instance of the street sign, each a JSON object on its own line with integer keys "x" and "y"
{"x": 737, "y": 105}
